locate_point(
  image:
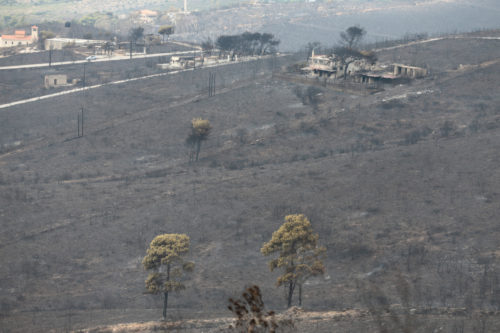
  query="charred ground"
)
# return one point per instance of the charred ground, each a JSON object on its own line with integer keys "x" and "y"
{"x": 403, "y": 183}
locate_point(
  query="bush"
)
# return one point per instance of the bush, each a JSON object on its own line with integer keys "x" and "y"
{"x": 65, "y": 176}
{"x": 446, "y": 128}
{"x": 309, "y": 96}
{"x": 242, "y": 135}
{"x": 236, "y": 165}
{"x": 156, "y": 173}
{"x": 474, "y": 126}
{"x": 376, "y": 142}
{"x": 414, "y": 136}
{"x": 393, "y": 103}
{"x": 251, "y": 315}
{"x": 308, "y": 128}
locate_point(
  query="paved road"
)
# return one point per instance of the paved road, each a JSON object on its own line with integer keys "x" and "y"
{"x": 72, "y": 91}
{"x": 433, "y": 40}
{"x": 99, "y": 59}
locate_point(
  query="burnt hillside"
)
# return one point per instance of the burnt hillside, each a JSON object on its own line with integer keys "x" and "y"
{"x": 402, "y": 184}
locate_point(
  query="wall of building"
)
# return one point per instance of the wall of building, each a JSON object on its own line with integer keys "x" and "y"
{"x": 409, "y": 71}
{"x": 55, "y": 80}
{"x": 11, "y": 43}
{"x": 60, "y": 43}
{"x": 21, "y": 40}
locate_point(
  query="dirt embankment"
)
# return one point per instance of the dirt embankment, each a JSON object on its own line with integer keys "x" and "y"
{"x": 312, "y": 321}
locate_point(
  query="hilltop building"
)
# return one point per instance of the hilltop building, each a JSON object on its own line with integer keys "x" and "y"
{"x": 360, "y": 70}
{"x": 409, "y": 71}
{"x": 19, "y": 38}
{"x": 57, "y": 81}
{"x": 331, "y": 65}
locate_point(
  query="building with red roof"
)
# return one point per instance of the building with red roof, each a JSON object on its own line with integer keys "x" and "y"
{"x": 19, "y": 38}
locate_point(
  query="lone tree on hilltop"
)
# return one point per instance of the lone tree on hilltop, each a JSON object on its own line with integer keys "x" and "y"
{"x": 348, "y": 51}
{"x": 166, "y": 30}
{"x": 200, "y": 129}
{"x": 299, "y": 254}
{"x": 164, "y": 260}
{"x": 352, "y": 36}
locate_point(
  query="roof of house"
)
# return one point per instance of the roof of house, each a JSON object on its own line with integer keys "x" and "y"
{"x": 19, "y": 35}
{"x": 147, "y": 12}
{"x": 16, "y": 37}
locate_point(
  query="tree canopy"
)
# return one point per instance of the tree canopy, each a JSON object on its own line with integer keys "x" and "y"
{"x": 164, "y": 259}
{"x": 352, "y": 36}
{"x": 208, "y": 46}
{"x": 43, "y": 35}
{"x": 299, "y": 256}
{"x": 136, "y": 33}
{"x": 166, "y": 30}
{"x": 200, "y": 129}
{"x": 348, "y": 51}
{"x": 347, "y": 56}
{"x": 247, "y": 43}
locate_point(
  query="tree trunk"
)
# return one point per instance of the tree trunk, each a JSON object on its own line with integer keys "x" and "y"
{"x": 291, "y": 287}
{"x": 165, "y": 303}
{"x": 198, "y": 147}
{"x": 300, "y": 294}
{"x": 165, "y": 294}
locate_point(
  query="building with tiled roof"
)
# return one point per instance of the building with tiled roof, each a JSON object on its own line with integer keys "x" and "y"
{"x": 19, "y": 38}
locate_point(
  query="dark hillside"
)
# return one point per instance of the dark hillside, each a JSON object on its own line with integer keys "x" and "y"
{"x": 18, "y": 84}
{"x": 402, "y": 184}
{"x": 446, "y": 54}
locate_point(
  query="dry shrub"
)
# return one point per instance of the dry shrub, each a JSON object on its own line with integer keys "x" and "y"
{"x": 251, "y": 316}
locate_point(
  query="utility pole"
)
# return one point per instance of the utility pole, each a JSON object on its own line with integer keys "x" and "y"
{"x": 50, "y": 57}
{"x": 80, "y": 123}
{"x": 211, "y": 85}
{"x": 130, "y": 49}
{"x": 84, "y": 74}
{"x": 82, "y": 120}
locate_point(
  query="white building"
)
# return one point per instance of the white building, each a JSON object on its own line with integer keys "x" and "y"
{"x": 60, "y": 43}
{"x": 19, "y": 38}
